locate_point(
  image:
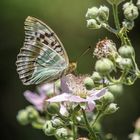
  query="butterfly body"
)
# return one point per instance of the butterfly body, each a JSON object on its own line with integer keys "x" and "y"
{"x": 42, "y": 57}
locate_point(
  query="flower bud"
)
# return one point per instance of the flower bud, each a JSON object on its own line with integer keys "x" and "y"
{"x": 130, "y": 11}
{"x": 53, "y": 108}
{"x": 116, "y": 89}
{"x": 107, "y": 97}
{"x": 96, "y": 77}
{"x": 126, "y": 51}
{"x": 58, "y": 84}
{"x": 138, "y": 4}
{"x": 103, "y": 13}
{"x": 116, "y": 2}
{"x": 48, "y": 128}
{"x": 92, "y": 12}
{"x": 61, "y": 133}
{"x": 111, "y": 108}
{"x": 22, "y": 117}
{"x": 57, "y": 122}
{"x": 92, "y": 23}
{"x": 82, "y": 138}
{"x": 104, "y": 66}
{"x": 124, "y": 63}
{"x": 88, "y": 82}
{"x": 128, "y": 24}
{"x": 137, "y": 125}
{"x": 32, "y": 113}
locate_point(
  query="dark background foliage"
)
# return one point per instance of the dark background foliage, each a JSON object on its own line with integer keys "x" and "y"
{"x": 67, "y": 18}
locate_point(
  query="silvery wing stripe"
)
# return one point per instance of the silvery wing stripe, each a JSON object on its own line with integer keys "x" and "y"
{"x": 47, "y": 65}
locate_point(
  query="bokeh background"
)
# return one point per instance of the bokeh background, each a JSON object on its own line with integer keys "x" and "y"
{"x": 67, "y": 19}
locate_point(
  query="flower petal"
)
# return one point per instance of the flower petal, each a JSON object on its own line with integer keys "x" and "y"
{"x": 43, "y": 89}
{"x": 64, "y": 85}
{"x": 63, "y": 110}
{"x": 90, "y": 106}
{"x": 67, "y": 97}
{"x": 35, "y": 99}
{"x": 96, "y": 94}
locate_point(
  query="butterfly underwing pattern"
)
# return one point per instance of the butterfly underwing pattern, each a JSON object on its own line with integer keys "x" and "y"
{"x": 42, "y": 57}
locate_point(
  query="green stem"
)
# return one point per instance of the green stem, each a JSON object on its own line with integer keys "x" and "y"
{"x": 74, "y": 129}
{"x": 97, "y": 118}
{"x": 116, "y": 18}
{"x": 93, "y": 135}
{"x": 110, "y": 29}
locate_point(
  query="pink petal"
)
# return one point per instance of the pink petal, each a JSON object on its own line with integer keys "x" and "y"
{"x": 64, "y": 86}
{"x": 101, "y": 92}
{"x": 35, "y": 99}
{"x": 90, "y": 106}
{"x": 63, "y": 110}
{"x": 43, "y": 89}
{"x": 67, "y": 97}
{"x": 96, "y": 94}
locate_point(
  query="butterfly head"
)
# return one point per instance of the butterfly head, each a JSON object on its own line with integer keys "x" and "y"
{"x": 72, "y": 67}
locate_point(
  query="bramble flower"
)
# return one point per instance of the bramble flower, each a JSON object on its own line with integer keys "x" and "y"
{"x": 38, "y": 99}
{"x": 77, "y": 92}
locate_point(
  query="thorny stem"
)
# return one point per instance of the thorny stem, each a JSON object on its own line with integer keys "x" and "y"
{"x": 92, "y": 133}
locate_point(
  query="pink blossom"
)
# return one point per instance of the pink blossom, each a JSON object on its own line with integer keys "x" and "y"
{"x": 77, "y": 92}
{"x": 38, "y": 100}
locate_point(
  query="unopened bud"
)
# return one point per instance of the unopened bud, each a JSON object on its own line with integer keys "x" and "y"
{"x": 61, "y": 133}
{"x": 32, "y": 113}
{"x": 107, "y": 97}
{"x": 88, "y": 82}
{"x": 112, "y": 108}
{"x": 96, "y": 77}
{"x": 103, "y": 13}
{"x": 124, "y": 63}
{"x": 116, "y": 89}
{"x": 53, "y": 108}
{"x": 130, "y": 11}
{"x": 126, "y": 51}
{"x": 57, "y": 122}
{"x": 22, "y": 117}
{"x": 92, "y": 24}
{"x": 48, "y": 128}
{"x": 128, "y": 24}
{"x": 104, "y": 66}
{"x": 92, "y": 12}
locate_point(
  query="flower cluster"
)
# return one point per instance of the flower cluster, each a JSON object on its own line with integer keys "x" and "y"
{"x": 76, "y": 102}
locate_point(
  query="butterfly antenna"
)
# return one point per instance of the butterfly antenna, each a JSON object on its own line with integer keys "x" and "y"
{"x": 83, "y": 53}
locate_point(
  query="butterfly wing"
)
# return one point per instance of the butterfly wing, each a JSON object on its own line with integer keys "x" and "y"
{"x": 38, "y": 59}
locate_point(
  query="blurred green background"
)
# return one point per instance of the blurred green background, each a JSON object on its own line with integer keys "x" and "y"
{"x": 67, "y": 19}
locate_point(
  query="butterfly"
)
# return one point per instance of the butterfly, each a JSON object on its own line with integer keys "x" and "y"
{"x": 43, "y": 57}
